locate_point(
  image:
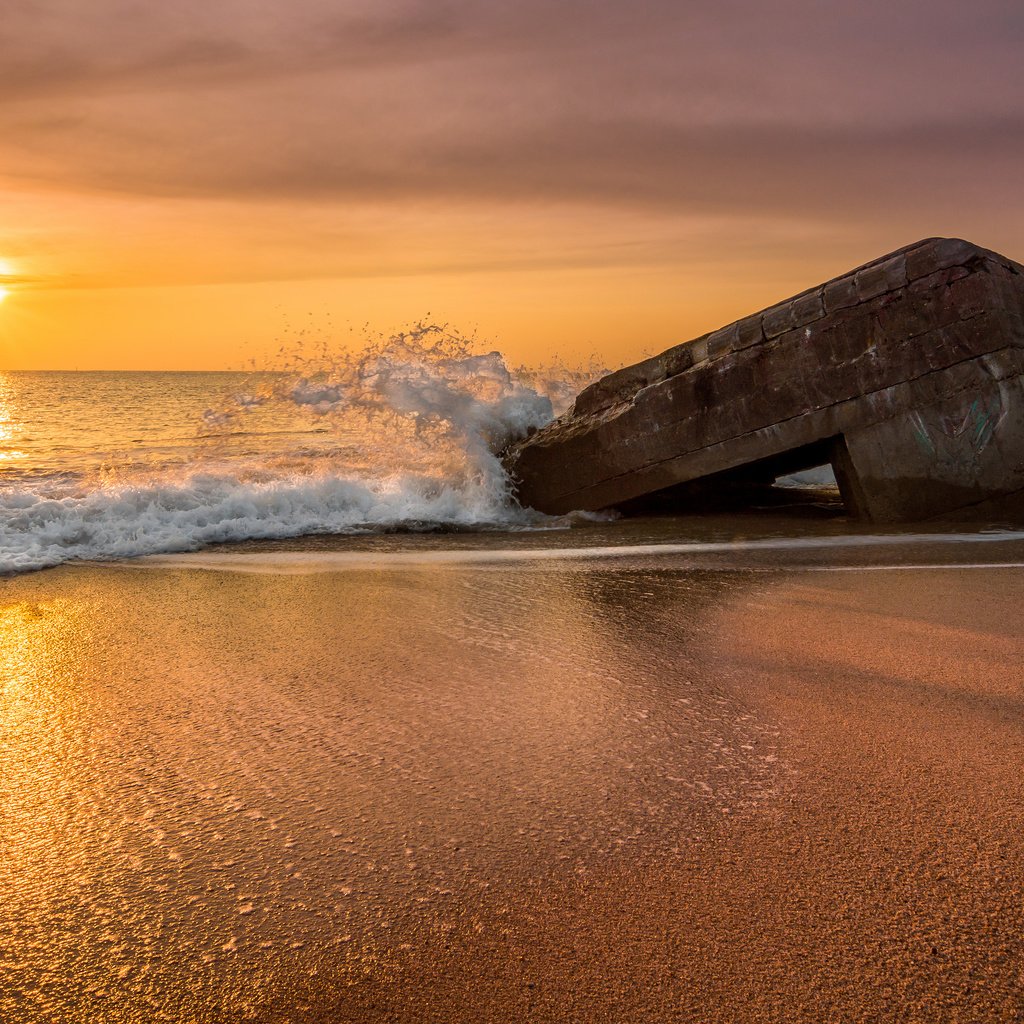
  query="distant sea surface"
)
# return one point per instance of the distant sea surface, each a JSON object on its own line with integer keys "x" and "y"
{"x": 59, "y": 428}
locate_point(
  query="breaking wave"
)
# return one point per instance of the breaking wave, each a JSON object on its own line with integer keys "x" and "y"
{"x": 401, "y": 435}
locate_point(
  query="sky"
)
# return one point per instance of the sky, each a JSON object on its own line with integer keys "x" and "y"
{"x": 190, "y": 185}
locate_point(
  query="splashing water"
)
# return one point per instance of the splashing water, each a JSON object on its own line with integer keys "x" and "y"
{"x": 402, "y": 434}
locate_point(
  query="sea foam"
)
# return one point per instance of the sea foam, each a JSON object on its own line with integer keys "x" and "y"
{"x": 413, "y": 424}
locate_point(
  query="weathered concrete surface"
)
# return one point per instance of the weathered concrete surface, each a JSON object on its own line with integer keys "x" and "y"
{"x": 907, "y": 374}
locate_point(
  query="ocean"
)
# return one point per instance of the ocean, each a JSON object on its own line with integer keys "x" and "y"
{"x": 399, "y": 436}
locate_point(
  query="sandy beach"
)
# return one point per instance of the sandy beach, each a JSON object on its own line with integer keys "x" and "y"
{"x": 619, "y": 790}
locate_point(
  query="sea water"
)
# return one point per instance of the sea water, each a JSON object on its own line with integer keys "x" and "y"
{"x": 400, "y": 435}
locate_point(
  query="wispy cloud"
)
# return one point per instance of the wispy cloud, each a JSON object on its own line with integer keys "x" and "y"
{"x": 861, "y": 112}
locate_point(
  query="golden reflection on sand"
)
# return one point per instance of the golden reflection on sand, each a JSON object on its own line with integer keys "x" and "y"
{"x": 465, "y": 793}
{"x": 39, "y": 866}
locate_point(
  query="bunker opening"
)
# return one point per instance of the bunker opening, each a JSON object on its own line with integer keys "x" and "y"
{"x": 811, "y": 479}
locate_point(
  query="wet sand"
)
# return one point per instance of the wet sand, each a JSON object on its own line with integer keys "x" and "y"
{"x": 613, "y": 790}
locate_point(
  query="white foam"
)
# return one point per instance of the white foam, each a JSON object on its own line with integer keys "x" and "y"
{"x": 419, "y": 418}
{"x": 821, "y": 478}
{"x": 128, "y": 520}
{"x": 313, "y": 562}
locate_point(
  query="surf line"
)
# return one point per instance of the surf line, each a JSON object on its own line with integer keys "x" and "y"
{"x": 302, "y": 562}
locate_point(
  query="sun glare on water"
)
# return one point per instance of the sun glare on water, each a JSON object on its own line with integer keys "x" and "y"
{"x": 4, "y": 292}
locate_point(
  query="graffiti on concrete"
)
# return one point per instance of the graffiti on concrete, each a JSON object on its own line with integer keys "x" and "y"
{"x": 956, "y": 439}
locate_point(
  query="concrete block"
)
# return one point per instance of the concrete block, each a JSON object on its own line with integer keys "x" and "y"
{"x": 927, "y": 342}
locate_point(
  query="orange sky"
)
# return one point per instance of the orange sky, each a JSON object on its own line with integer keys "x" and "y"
{"x": 189, "y": 185}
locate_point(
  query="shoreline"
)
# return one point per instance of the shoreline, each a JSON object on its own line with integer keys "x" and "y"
{"x": 782, "y": 540}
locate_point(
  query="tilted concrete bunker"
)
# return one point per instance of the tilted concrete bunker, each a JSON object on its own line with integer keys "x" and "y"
{"x": 907, "y": 374}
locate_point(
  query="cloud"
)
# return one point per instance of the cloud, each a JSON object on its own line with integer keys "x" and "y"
{"x": 791, "y": 109}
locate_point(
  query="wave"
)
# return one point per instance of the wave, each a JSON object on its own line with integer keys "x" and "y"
{"x": 419, "y": 419}
{"x": 126, "y": 521}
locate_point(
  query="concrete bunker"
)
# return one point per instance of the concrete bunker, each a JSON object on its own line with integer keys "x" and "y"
{"x": 906, "y": 375}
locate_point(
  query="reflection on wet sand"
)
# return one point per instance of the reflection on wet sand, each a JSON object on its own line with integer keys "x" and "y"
{"x": 444, "y": 793}
{"x": 328, "y": 776}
